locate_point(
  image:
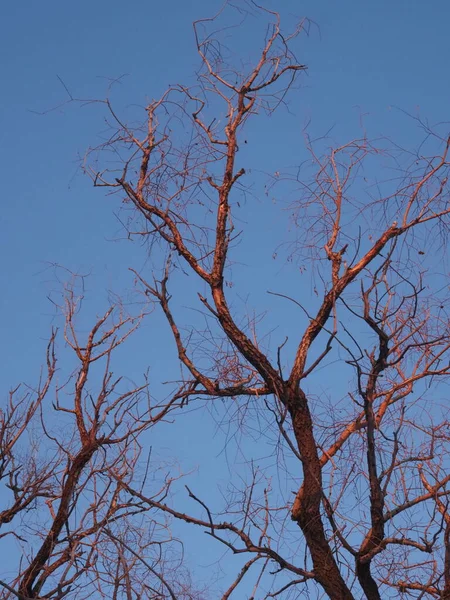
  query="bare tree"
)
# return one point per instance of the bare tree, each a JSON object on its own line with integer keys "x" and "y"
{"x": 372, "y": 506}
{"x": 370, "y": 513}
{"x": 67, "y": 463}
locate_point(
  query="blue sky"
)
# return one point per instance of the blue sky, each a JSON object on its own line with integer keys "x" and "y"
{"x": 365, "y": 60}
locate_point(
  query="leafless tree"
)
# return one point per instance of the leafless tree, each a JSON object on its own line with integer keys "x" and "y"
{"x": 67, "y": 462}
{"x": 370, "y": 514}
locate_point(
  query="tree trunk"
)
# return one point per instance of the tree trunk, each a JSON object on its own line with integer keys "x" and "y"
{"x": 306, "y": 509}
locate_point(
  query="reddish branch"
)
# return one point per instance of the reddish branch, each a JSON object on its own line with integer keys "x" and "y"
{"x": 412, "y": 342}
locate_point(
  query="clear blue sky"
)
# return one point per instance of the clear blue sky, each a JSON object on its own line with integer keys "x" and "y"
{"x": 363, "y": 58}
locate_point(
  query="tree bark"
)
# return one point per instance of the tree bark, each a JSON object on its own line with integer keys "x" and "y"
{"x": 306, "y": 510}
